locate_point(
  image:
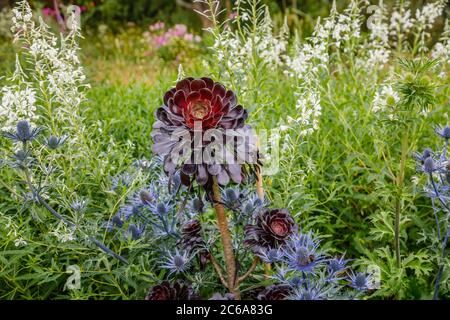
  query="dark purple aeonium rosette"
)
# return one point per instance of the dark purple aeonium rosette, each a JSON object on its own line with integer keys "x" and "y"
{"x": 271, "y": 229}
{"x": 201, "y": 133}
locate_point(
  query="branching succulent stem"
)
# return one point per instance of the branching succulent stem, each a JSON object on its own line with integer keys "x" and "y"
{"x": 249, "y": 271}
{"x": 222, "y": 223}
{"x": 218, "y": 270}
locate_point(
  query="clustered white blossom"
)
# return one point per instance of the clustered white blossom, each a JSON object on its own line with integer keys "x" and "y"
{"x": 384, "y": 98}
{"x": 403, "y": 22}
{"x": 63, "y": 233}
{"x": 14, "y": 232}
{"x": 338, "y": 33}
{"x": 238, "y": 50}
{"x": 55, "y": 66}
{"x": 441, "y": 49}
{"x": 377, "y": 50}
{"x": 309, "y": 112}
{"x": 18, "y": 100}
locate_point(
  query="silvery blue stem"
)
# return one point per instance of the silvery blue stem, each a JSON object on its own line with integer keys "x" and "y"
{"x": 438, "y": 195}
{"x": 69, "y": 223}
{"x": 441, "y": 268}
{"x": 436, "y": 218}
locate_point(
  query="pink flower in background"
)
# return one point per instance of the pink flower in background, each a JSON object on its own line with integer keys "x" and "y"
{"x": 157, "y": 26}
{"x": 48, "y": 12}
{"x": 161, "y": 41}
{"x": 160, "y": 38}
{"x": 178, "y": 30}
{"x": 83, "y": 8}
{"x": 188, "y": 37}
{"x": 233, "y": 15}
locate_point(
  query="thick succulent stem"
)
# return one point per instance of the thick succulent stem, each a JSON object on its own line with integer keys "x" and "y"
{"x": 259, "y": 184}
{"x": 222, "y": 223}
{"x": 218, "y": 270}
{"x": 249, "y": 271}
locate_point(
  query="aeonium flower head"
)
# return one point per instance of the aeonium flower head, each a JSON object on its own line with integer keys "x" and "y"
{"x": 275, "y": 292}
{"x": 270, "y": 229}
{"x": 201, "y": 133}
{"x": 180, "y": 290}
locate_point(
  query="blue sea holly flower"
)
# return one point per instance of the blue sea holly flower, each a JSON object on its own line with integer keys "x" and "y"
{"x": 78, "y": 205}
{"x": 176, "y": 262}
{"x": 301, "y": 253}
{"x": 337, "y": 266}
{"x": 253, "y": 205}
{"x": 24, "y": 133}
{"x": 117, "y": 221}
{"x": 443, "y": 132}
{"x": 134, "y": 232}
{"x": 308, "y": 292}
{"x": 231, "y": 198}
{"x": 161, "y": 209}
{"x": 429, "y": 165}
{"x": 421, "y": 157}
{"x": 359, "y": 281}
{"x": 54, "y": 142}
{"x": 196, "y": 205}
{"x": 269, "y": 255}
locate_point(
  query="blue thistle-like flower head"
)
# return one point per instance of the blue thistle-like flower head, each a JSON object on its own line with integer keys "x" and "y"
{"x": 78, "y": 205}
{"x": 337, "y": 266}
{"x": 421, "y": 157}
{"x": 196, "y": 205}
{"x": 24, "y": 133}
{"x": 133, "y": 231}
{"x": 360, "y": 281}
{"x": 54, "y": 142}
{"x": 161, "y": 209}
{"x": 23, "y": 130}
{"x": 429, "y": 165}
{"x": 443, "y": 132}
{"x": 231, "y": 198}
{"x": 117, "y": 221}
{"x": 176, "y": 262}
{"x": 309, "y": 292}
{"x": 269, "y": 255}
{"x": 253, "y": 205}
{"x": 146, "y": 197}
{"x": 301, "y": 253}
